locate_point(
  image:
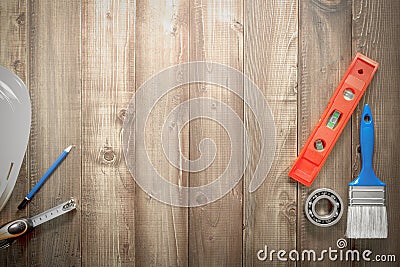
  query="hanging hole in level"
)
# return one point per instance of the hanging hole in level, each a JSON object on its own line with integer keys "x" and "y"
{"x": 360, "y": 71}
{"x": 367, "y": 118}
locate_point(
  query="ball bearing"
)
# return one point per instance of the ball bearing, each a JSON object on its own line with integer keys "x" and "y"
{"x": 324, "y": 220}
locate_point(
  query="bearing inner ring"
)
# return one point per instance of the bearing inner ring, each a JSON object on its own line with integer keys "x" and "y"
{"x": 324, "y": 220}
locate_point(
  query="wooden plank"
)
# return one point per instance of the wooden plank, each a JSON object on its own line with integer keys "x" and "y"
{"x": 108, "y": 81}
{"x": 55, "y": 88}
{"x": 376, "y": 34}
{"x": 13, "y": 57}
{"x": 324, "y": 55}
{"x": 215, "y": 230}
{"x": 162, "y": 34}
{"x": 270, "y": 55}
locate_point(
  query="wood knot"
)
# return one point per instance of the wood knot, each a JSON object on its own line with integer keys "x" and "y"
{"x": 174, "y": 30}
{"x": 288, "y": 208}
{"x": 172, "y": 27}
{"x": 107, "y": 155}
{"x": 122, "y": 114}
{"x": 18, "y": 66}
{"x": 237, "y": 26}
{"x": 108, "y": 14}
{"x": 290, "y": 212}
{"x": 21, "y": 19}
{"x": 179, "y": 76}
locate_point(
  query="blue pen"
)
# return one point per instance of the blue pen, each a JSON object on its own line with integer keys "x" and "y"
{"x": 39, "y": 184}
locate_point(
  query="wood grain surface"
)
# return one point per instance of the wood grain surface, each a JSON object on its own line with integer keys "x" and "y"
{"x": 54, "y": 82}
{"x": 108, "y": 81}
{"x": 324, "y": 55}
{"x": 162, "y": 34}
{"x": 271, "y": 36}
{"x": 376, "y": 37}
{"x": 215, "y": 230}
{"x": 83, "y": 61}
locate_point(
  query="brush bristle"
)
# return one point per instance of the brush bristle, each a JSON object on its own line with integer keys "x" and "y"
{"x": 367, "y": 222}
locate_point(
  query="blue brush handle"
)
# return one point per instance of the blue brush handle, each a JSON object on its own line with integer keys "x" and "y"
{"x": 52, "y": 168}
{"x": 367, "y": 176}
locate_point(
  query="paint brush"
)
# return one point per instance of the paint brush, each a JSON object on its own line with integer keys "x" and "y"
{"x": 39, "y": 184}
{"x": 367, "y": 217}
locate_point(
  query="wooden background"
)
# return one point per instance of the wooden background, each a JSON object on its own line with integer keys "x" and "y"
{"x": 83, "y": 60}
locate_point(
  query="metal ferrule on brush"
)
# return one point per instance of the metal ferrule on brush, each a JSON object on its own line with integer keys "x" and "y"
{"x": 367, "y": 195}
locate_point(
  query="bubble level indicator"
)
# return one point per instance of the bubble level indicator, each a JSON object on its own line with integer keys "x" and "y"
{"x": 333, "y": 119}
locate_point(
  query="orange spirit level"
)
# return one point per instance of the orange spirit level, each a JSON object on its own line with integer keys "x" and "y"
{"x": 332, "y": 122}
